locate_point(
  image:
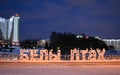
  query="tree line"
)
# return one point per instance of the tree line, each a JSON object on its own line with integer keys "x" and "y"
{"x": 66, "y": 41}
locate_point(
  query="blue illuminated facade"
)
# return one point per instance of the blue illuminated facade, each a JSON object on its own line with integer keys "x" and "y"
{"x": 9, "y": 29}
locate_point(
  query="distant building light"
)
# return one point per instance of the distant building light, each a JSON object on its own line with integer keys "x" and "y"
{"x": 79, "y": 36}
{"x": 97, "y": 37}
{"x": 86, "y": 37}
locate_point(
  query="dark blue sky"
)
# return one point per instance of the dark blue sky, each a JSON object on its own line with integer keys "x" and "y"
{"x": 38, "y": 18}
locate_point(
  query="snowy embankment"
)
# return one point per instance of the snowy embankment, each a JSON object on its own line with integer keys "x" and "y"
{"x": 8, "y": 69}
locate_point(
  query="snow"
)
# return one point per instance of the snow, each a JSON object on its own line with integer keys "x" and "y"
{"x": 59, "y": 70}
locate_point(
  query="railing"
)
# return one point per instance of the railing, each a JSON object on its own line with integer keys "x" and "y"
{"x": 9, "y": 57}
{"x": 112, "y": 57}
{"x": 65, "y": 57}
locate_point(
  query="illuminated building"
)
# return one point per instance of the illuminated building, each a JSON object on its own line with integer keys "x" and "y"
{"x": 9, "y": 29}
{"x": 113, "y": 42}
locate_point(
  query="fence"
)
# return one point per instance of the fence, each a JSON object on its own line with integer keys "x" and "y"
{"x": 9, "y": 57}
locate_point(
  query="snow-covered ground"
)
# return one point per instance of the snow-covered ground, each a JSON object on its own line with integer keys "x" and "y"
{"x": 59, "y": 70}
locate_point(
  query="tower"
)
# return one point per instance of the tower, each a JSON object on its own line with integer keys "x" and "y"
{"x": 15, "y": 37}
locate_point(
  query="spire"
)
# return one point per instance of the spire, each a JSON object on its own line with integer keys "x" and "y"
{"x": 17, "y": 15}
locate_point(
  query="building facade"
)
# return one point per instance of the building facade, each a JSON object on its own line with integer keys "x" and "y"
{"x": 113, "y": 42}
{"x": 9, "y": 29}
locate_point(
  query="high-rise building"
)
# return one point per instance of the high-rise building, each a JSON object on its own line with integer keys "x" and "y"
{"x": 15, "y": 38}
{"x": 9, "y": 29}
{"x": 3, "y": 27}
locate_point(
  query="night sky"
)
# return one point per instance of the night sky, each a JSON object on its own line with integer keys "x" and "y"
{"x": 38, "y": 18}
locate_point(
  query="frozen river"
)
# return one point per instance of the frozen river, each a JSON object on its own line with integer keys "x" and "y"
{"x": 59, "y": 70}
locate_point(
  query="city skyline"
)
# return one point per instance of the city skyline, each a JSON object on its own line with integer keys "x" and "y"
{"x": 40, "y": 17}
